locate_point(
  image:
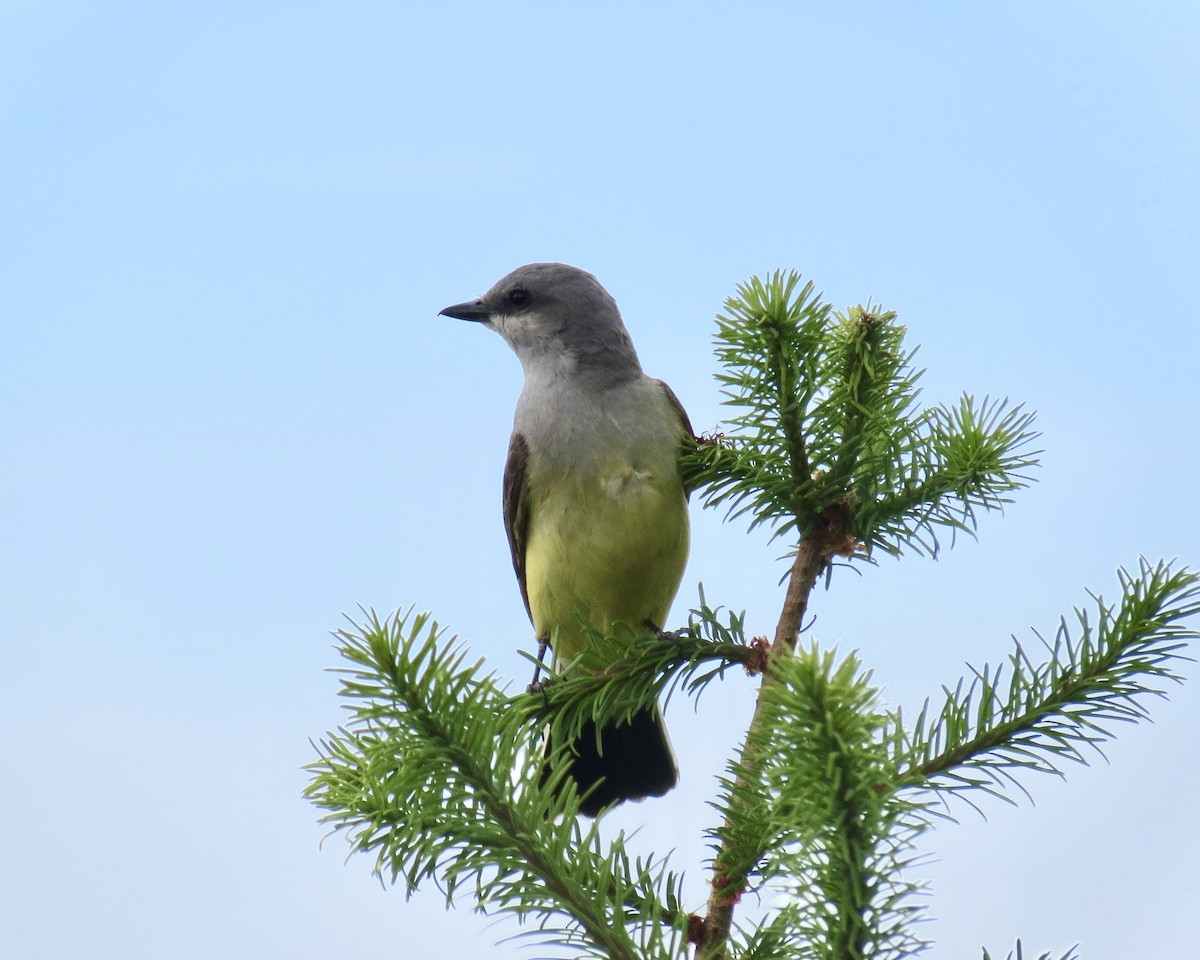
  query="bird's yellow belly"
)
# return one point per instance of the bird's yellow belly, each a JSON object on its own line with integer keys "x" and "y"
{"x": 612, "y": 550}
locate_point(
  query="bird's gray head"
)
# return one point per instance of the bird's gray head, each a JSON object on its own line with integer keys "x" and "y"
{"x": 556, "y": 318}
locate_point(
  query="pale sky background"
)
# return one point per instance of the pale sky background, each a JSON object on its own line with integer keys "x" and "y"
{"x": 231, "y": 412}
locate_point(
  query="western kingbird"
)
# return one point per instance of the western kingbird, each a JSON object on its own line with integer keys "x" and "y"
{"x": 594, "y": 503}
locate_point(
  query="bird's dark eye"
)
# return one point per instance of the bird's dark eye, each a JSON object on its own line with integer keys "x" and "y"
{"x": 518, "y": 297}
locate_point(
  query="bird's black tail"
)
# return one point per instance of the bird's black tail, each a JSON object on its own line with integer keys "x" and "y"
{"x": 631, "y": 762}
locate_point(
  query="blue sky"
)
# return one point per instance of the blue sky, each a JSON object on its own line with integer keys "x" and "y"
{"x": 231, "y": 412}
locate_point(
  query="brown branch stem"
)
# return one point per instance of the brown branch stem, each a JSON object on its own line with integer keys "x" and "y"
{"x": 711, "y": 935}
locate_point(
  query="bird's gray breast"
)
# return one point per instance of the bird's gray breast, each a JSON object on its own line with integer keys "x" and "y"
{"x": 612, "y": 434}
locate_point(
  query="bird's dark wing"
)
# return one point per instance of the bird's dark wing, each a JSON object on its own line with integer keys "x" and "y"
{"x": 684, "y": 422}
{"x": 683, "y": 417}
{"x": 516, "y": 508}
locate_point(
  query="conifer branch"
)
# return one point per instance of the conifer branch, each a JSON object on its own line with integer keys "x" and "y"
{"x": 771, "y": 342}
{"x": 763, "y": 339}
{"x": 959, "y": 460}
{"x": 1048, "y": 711}
{"x": 869, "y": 386}
{"x": 423, "y": 775}
{"x": 844, "y": 839}
{"x": 859, "y": 388}
{"x": 740, "y": 847}
{"x": 612, "y": 679}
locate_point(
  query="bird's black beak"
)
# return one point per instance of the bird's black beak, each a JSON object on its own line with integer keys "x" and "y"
{"x": 472, "y": 310}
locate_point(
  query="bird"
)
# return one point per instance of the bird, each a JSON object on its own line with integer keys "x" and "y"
{"x": 594, "y": 502}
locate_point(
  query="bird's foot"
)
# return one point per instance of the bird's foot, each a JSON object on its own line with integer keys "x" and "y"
{"x": 677, "y": 635}
{"x": 537, "y": 685}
